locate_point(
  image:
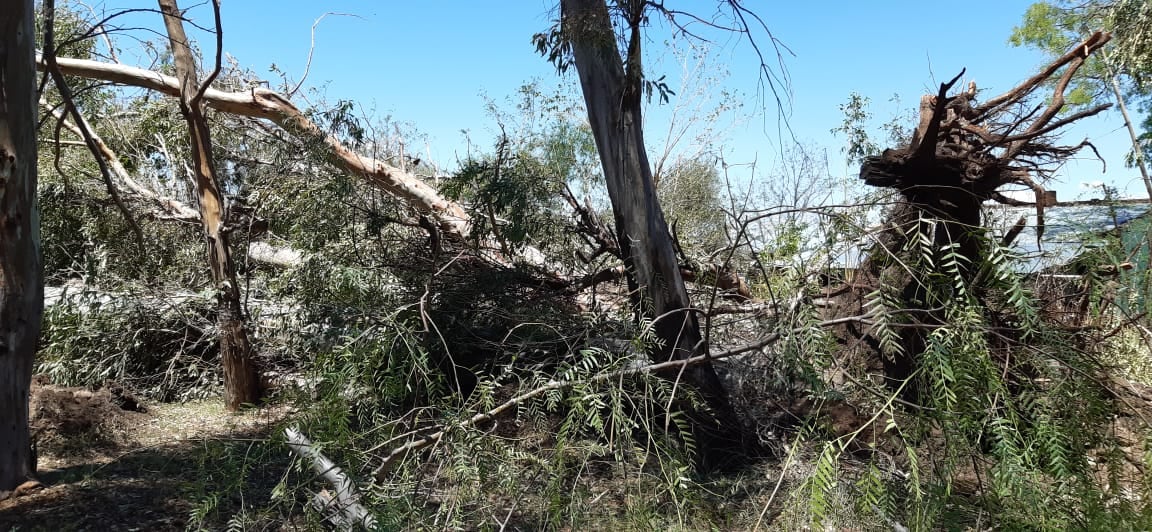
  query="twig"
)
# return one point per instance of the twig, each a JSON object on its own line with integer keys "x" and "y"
{"x": 312, "y": 48}
{"x": 402, "y": 451}
{"x": 70, "y": 107}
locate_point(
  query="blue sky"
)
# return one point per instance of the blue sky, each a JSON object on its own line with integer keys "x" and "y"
{"x": 432, "y": 64}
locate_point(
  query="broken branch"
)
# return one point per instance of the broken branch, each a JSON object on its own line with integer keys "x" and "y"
{"x": 345, "y": 502}
{"x": 270, "y": 105}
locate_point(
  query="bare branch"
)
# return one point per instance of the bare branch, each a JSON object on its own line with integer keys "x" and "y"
{"x": 259, "y": 102}
{"x": 53, "y": 68}
{"x": 312, "y": 48}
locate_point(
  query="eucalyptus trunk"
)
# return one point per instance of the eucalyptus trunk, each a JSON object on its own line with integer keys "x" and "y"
{"x": 241, "y": 385}
{"x": 21, "y": 281}
{"x": 612, "y": 94}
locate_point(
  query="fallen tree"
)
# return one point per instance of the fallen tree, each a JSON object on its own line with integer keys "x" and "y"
{"x": 270, "y": 105}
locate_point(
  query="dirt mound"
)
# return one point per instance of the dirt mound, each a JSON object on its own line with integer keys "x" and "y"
{"x": 80, "y": 420}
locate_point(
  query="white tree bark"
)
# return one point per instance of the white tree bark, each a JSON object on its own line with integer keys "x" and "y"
{"x": 343, "y": 505}
{"x": 270, "y": 105}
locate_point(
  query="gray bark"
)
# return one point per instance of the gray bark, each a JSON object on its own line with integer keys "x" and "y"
{"x": 612, "y": 94}
{"x": 21, "y": 282}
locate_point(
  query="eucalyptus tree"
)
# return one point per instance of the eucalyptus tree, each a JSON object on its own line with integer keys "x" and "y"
{"x": 21, "y": 283}
{"x": 1122, "y": 71}
{"x": 603, "y": 40}
{"x": 240, "y": 380}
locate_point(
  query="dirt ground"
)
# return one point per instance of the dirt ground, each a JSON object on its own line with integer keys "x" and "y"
{"x": 107, "y": 461}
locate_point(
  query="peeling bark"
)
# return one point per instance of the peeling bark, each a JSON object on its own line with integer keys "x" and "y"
{"x": 241, "y": 382}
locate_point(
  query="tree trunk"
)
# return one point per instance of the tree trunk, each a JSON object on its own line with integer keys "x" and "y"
{"x": 240, "y": 377}
{"x": 21, "y": 283}
{"x": 1137, "y": 153}
{"x": 612, "y": 94}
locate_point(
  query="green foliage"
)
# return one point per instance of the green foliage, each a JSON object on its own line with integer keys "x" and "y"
{"x": 823, "y": 483}
{"x": 515, "y": 192}
{"x": 690, "y": 195}
{"x": 518, "y": 199}
{"x": 230, "y": 492}
{"x": 1054, "y": 27}
{"x": 1027, "y": 398}
{"x": 1130, "y": 21}
{"x": 85, "y": 238}
{"x": 368, "y": 384}
{"x": 387, "y": 341}
{"x": 856, "y": 116}
{"x": 91, "y": 337}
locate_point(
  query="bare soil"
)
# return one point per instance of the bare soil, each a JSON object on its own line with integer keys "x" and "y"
{"x": 108, "y": 461}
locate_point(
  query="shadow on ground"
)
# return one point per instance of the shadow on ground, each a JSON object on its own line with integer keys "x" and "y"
{"x": 164, "y": 487}
{"x": 109, "y": 463}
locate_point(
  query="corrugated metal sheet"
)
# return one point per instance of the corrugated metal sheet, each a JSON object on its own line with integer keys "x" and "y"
{"x": 1069, "y": 231}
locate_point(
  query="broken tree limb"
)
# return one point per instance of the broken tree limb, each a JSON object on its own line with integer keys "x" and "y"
{"x": 599, "y": 234}
{"x": 53, "y": 69}
{"x": 1082, "y": 51}
{"x": 730, "y": 282}
{"x": 171, "y": 208}
{"x": 270, "y": 105}
{"x": 343, "y": 505}
{"x": 398, "y": 453}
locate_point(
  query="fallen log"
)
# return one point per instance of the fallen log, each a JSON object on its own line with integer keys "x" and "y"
{"x": 342, "y": 507}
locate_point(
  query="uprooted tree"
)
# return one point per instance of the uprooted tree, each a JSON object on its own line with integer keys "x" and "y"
{"x": 961, "y": 154}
